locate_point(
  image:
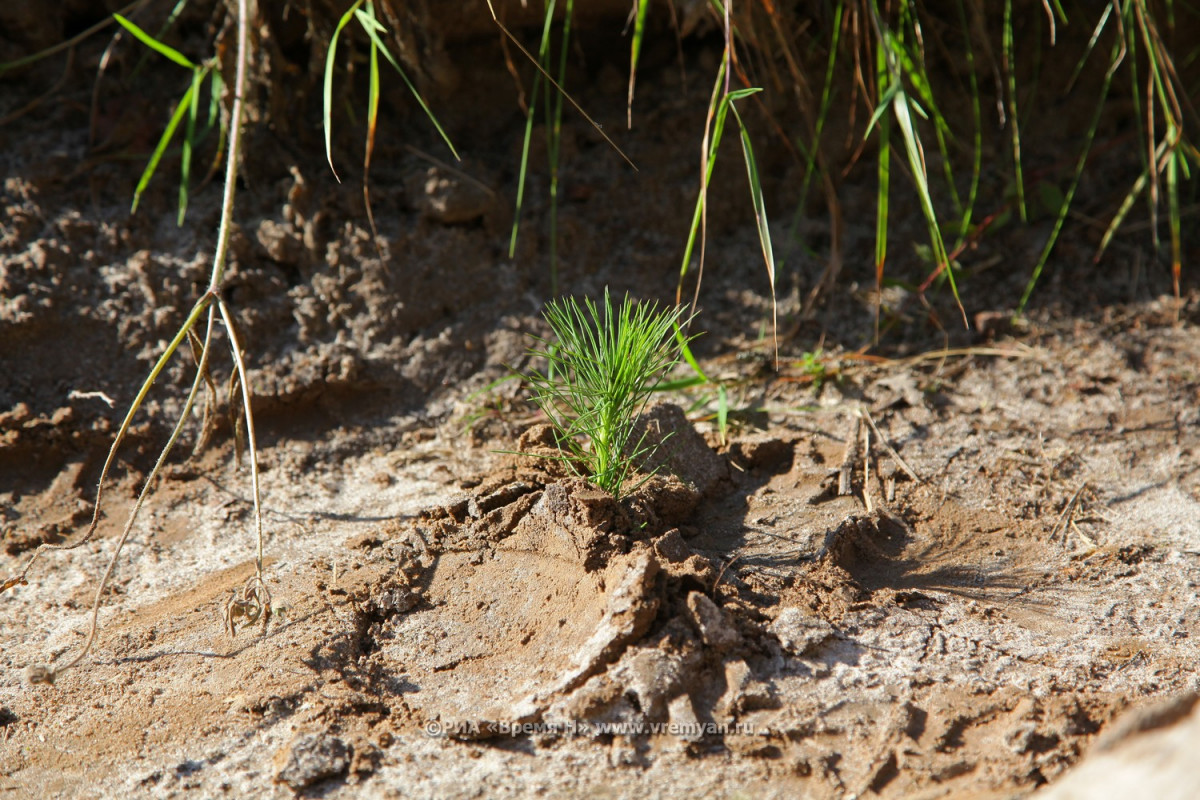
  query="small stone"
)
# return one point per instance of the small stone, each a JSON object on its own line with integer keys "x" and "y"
{"x": 684, "y": 724}
{"x": 798, "y": 632}
{"x": 715, "y": 628}
{"x": 671, "y": 546}
{"x": 448, "y": 197}
{"x": 311, "y": 758}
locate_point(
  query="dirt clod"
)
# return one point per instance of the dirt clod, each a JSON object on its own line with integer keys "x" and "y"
{"x": 310, "y": 759}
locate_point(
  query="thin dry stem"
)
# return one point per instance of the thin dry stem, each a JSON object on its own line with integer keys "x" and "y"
{"x": 46, "y": 674}
{"x": 250, "y": 436}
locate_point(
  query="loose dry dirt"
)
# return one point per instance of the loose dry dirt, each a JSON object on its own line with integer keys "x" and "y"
{"x": 1016, "y": 563}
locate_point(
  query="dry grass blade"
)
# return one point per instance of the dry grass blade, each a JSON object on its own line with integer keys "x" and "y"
{"x": 210, "y": 302}
{"x": 599, "y": 128}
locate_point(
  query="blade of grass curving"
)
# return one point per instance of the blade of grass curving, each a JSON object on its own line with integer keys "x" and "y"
{"x": 718, "y": 114}
{"x": 162, "y": 31}
{"x": 189, "y": 136}
{"x": 372, "y": 120}
{"x": 327, "y": 89}
{"x": 760, "y": 217}
{"x": 911, "y": 65}
{"x": 523, "y": 171}
{"x": 635, "y": 51}
{"x": 1010, "y": 68}
{"x": 688, "y": 357}
{"x": 373, "y": 29}
{"x": 1117, "y": 49}
{"x": 154, "y": 44}
{"x": 916, "y": 162}
{"x": 184, "y": 104}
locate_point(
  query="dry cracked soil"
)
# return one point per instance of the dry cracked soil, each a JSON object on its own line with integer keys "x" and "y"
{"x": 958, "y": 566}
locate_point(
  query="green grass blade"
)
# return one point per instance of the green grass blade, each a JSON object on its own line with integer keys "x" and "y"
{"x": 714, "y": 126}
{"x": 688, "y": 357}
{"x": 760, "y": 218}
{"x": 189, "y": 134}
{"x": 1173, "y": 213}
{"x": 718, "y": 113}
{"x": 883, "y": 171}
{"x": 884, "y": 180}
{"x": 977, "y": 141}
{"x": 523, "y": 171}
{"x": 373, "y": 29}
{"x": 155, "y": 45}
{"x": 756, "y": 197}
{"x": 327, "y": 89}
{"x": 722, "y": 414}
{"x": 184, "y": 104}
{"x": 162, "y": 31}
{"x": 214, "y": 117}
{"x": 1123, "y": 210}
{"x": 1070, "y": 196}
{"x": 916, "y": 163}
{"x": 1013, "y": 120}
{"x": 635, "y": 51}
{"x": 372, "y": 127}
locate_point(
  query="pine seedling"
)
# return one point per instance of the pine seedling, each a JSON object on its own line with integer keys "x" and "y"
{"x": 602, "y": 365}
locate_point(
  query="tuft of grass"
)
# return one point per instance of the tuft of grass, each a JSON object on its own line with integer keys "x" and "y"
{"x": 363, "y": 11}
{"x": 602, "y": 365}
{"x": 721, "y": 103}
{"x": 188, "y": 106}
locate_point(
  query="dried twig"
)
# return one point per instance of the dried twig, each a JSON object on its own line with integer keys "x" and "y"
{"x": 848, "y": 456}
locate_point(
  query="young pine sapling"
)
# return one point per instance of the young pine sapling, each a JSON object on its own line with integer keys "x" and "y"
{"x": 602, "y": 365}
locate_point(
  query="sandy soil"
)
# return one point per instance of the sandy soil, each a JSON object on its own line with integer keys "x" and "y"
{"x": 1014, "y": 566}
